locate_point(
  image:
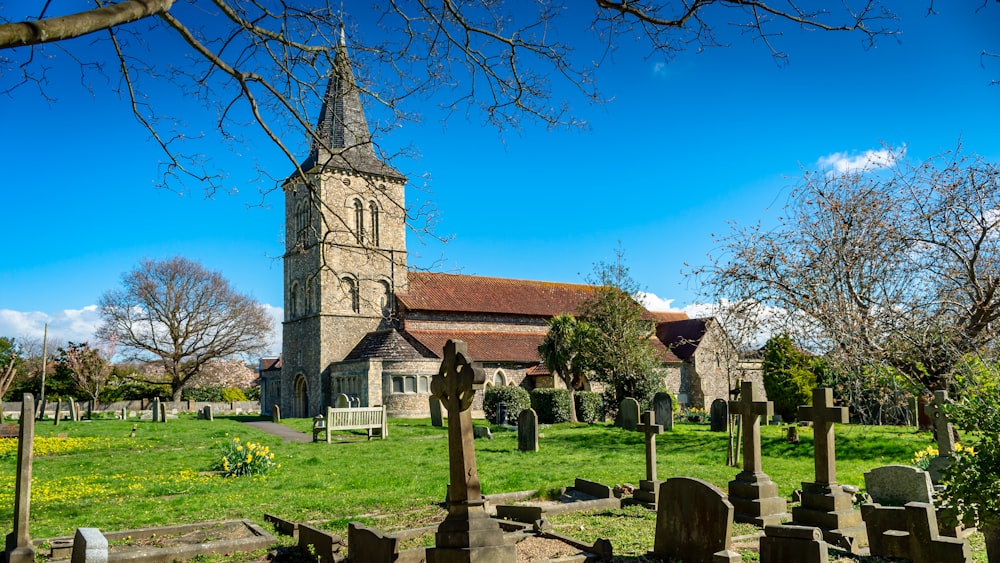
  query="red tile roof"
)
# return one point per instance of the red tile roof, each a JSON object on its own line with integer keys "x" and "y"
{"x": 478, "y": 294}
{"x": 486, "y": 346}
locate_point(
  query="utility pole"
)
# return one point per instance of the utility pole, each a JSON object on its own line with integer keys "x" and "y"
{"x": 45, "y": 353}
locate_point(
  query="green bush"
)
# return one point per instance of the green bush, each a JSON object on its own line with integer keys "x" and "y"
{"x": 551, "y": 405}
{"x": 589, "y": 406}
{"x": 789, "y": 376}
{"x": 252, "y": 393}
{"x": 230, "y": 394}
{"x": 516, "y": 399}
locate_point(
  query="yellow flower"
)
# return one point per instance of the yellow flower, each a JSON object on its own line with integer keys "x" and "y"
{"x": 239, "y": 448}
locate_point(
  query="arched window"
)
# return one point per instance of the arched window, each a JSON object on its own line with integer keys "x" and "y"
{"x": 351, "y": 287}
{"x": 293, "y": 300}
{"x": 359, "y": 221}
{"x": 373, "y": 225}
{"x": 309, "y": 306}
{"x": 385, "y": 299}
{"x": 499, "y": 379}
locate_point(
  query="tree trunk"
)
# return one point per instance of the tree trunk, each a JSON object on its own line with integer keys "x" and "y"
{"x": 992, "y": 536}
{"x": 176, "y": 393}
{"x": 572, "y": 404}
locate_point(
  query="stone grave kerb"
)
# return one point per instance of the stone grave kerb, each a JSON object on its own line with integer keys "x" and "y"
{"x": 751, "y": 408}
{"x": 19, "y": 548}
{"x": 942, "y": 428}
{"x": 824, "y": 416}
{"x": 468, "y": 533}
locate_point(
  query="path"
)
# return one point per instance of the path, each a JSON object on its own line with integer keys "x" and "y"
{"x": 287, "y": 434}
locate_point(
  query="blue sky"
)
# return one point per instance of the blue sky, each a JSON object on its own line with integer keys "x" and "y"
{"x": 683, "y": 148}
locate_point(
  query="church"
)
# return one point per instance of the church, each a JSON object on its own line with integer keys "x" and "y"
{"x": 359, "y": 322}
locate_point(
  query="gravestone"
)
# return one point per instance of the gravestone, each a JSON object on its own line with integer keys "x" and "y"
{"x": 527, "y": 431}
{"x": 74, "y": 413}
{"x": 501, "y": 414}
{"x": 825, "y": 504}
{"x": 628, "y": 414}
{"x": 482, "y": 432}
{"x": 343, "y": 401}
{"x": 206, "y": 413}
{"x": 155, "y": 407}
{"x": 19, "y": 548}
{"x": 663, "y": 406}
{"x": 124, "y": 413}
{"x": 911, "y": 532}
{"x": 943, "y": 433}
{"x": 368, "y": 545}
{"x": 163, "y": 412}
{"x": 793, "y": 544}
{"x": 694, "y": 522}
{"x": 468, "y": 533}
{"x": 89, "y": 546}
{"x": 913, "y": 416}
{"x": 275, "y": 414}
{"x": 719, "y": 415}
{"x": 58, "y": 412}
{"x": 650, "y": 486}
{"x": 896, "y": 485}
{"x": 753, "y": 495}
{"x": 435, "y": 406}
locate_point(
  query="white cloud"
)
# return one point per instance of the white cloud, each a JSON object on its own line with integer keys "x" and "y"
{"x": 660, "y": 68}
{"x": 655, "y": 303}
{"x": 278, "y": 315}
{"x": 842, "y": 162}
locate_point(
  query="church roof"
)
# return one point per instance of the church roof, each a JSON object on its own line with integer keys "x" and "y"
{"x": 389, "y": 345}
{"x": 682, "y": 337}
{"x": 477, "y": 294}
{"x": 344, "y": 140}
{"x": 486, "y": 346}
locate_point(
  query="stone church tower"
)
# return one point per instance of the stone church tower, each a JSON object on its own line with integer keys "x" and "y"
{"x": 345, "y": 246}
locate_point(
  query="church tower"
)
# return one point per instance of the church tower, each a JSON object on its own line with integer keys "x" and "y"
{"x": 345, "y": 247}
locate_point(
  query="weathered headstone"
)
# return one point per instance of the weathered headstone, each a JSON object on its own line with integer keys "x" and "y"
{"x": 719, "y": 414}
{"x": 275, "y": 414}
{"x": 793, "y": 544}
{"x": 89, "y": 546}
{"x": 911, "y": 532}
{"x": 527, "y": 431}
{"x": 913, "y": 416}
{"x": 825, "y": 504}
{"x": 19, "y": 548}
{"x": 435, "y": 406}
{"x": 663, "y": 406}
{"x": 896, "y": 485}
{"x": 206, "y": 413}
{"x": 943, "y": 433}
{"x": 468, "y": 533}
{"x": 163, "y": 412}
{"x": 124, "y": 413}
{"x": 482, "y": 432}
{"x": 628, "y": 414}
{"x": 58, "y": 412}
{"x": 343, "y": 401}
{"x": 74, "y": 411}
{"x": 753, "y": 495}
{"x": 155, "y": 407}
{"x": 694, "y": 522}
{"x": 368, "y": 545}
{"x": 501, "y": 413}
{"x": 650, "y": 486}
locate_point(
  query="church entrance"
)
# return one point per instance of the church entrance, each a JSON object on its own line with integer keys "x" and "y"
{"x": 300, "y": 398}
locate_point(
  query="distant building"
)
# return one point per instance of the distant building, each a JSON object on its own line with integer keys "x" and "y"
{"x": 359, "y": 322}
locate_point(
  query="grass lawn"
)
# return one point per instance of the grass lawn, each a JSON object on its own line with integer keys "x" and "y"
{"x": 92, "y": 474}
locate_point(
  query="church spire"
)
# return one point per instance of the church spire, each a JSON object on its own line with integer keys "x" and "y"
{"x": 342, "y": 139}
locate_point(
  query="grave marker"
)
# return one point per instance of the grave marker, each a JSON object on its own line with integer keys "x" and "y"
{"x": 275, "y": 414}
{"x": 18, "y": 545}
{"x": 650, "y": 486}
{"x": 435, "y": 406}
{"x": 753, "y": 495}
{"x": 206, "y": 413}
{"x": 156, "y": 409}
{"x": 343, "y": 401}
{"x": 943, "y": 433}
{"x": 663, "y": 406}
{"x": 89, "y": 546}
{"x": 467, "y": 533}
{"x": 694, "y": 522}
{"x": 825, "y": 504}
{"x": 719, "y": 415}
{"x": 896, "y": 485}
{"x": 628, "y": 413}
{"x": 911, "y": 532}
{"x": 58, "y": 412}
{"x": 527, "y": 431}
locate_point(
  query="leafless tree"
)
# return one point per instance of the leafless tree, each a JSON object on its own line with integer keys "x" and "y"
{"x": 183, "y": 316}
{"x": 898, "y": 266}
{"x": 89, "y": 366}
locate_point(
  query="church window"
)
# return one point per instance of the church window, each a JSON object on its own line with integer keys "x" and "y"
{"x": 373, "y": 224}
{"x": 293, "y": 301}
{"x": 351, "y": 287}
{"x": 309, "y": 306}
{"x": 397, "y": 384}
{"x": 411, "y": 384}
{"x": 499, "y": 379}
{"x": 359, "y": 221}
{"x": 385, "y": 299}
{"x": 422, "y": 385}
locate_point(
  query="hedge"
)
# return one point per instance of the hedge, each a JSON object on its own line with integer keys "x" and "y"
{"x": 516, "y": 399}
{"x": 589, "y": 407}
{"x": 551, "y": 405}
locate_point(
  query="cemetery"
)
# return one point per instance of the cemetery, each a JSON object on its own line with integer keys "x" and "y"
{"x": 432, "y": 492}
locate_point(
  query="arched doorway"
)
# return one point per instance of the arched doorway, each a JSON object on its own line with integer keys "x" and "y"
{"x": 300, "y": 398}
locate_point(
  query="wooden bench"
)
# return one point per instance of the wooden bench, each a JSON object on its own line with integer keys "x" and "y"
{"x": 361, "y": 418}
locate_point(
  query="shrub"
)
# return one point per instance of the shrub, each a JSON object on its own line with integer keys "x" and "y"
{"x": 516, "y": 399}
{"x": 789, "y": 376}
{"x": 589, "y": 406}
{"x": 248, "y": 458}
{"x": 551, "y": 405}
{"x": 231, "y": 394}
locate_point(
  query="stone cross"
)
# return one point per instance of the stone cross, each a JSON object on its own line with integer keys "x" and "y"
{"x": 650, "y": 429}
{"x": 824, "y": 415}
{"x": 19, "y": 547}
{"x": 467, "y": 533}
{"x": 750, "y": 409}
{"x": 943, "y": 429}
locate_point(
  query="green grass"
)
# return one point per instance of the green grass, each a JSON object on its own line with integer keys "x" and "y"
{"x": 99, "y": 477}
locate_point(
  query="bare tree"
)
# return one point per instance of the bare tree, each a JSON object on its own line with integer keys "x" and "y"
{"x": 897, "y": 265}
{"x": 9, "y": 361}
{"x": 182, "y": 316}
{"x": 89, "y": 366}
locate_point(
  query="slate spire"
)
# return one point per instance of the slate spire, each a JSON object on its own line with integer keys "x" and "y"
{"x": 344, "y": 140}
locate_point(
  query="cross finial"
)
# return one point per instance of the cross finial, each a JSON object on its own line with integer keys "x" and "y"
{"x": 824, "y": 415}
{"x": 750, "y": 410}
